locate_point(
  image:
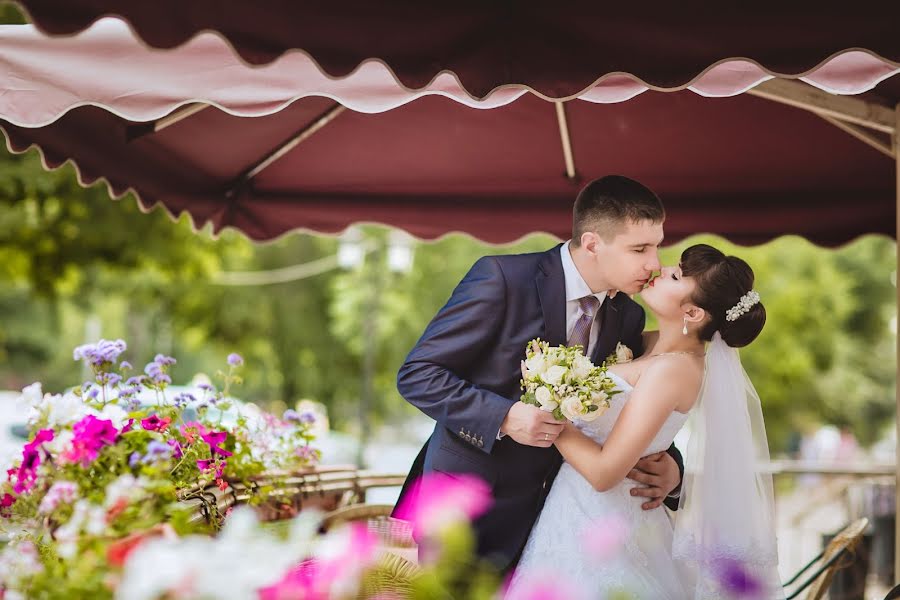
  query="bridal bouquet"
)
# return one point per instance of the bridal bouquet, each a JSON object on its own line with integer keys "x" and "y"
{"x": 565, "y": 382}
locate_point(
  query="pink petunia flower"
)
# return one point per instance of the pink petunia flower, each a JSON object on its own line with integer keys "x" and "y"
{"x": 177, "y": 452}
{"x": 436, "y": 501}
{"x": 154, "y": 423}
{"x": 214, "y": 439}
{"x": 603, "y": 538}
{"x": 192, "y": 430}
{"x": 31, "y": 460}
{"x": 91, "y": 435}
{"x": 5, "y": 504}
{"x": 335, "y": 572}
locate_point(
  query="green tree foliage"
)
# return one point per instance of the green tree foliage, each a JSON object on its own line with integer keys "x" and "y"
{"x": 70, "y": 256}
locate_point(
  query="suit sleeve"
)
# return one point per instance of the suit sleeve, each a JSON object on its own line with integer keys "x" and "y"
{"x": 462, "y": 332}
{"x": 632, "y": 334}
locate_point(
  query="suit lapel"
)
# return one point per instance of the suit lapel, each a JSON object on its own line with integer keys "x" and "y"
{"x": 610, "y": 332}
{"x": 551, "y": 286}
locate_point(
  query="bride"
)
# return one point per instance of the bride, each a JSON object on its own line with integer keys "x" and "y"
{"x": 722, "y": 543}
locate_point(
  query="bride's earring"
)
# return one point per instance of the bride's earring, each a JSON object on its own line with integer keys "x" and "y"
{"x": 684, "y": 329}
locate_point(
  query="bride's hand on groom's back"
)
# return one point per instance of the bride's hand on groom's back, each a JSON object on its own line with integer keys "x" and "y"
{"x": 530, "y": 426}
{"x": 659, "y": 475}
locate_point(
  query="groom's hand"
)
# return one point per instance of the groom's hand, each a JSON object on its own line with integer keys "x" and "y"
{"x": 530, "y": 426}
{"x": 660, "y": 475}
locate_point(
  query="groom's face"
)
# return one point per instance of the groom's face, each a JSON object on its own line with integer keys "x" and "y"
{"x": 626, "y": 262}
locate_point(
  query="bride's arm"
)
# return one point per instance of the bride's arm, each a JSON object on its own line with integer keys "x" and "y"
{"x": 661, "y": 388}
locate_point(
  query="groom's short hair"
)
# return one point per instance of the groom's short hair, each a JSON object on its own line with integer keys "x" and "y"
{"x": 606, "y": 204}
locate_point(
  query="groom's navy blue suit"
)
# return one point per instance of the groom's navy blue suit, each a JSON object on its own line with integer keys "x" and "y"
{"x": 464, "y": 373}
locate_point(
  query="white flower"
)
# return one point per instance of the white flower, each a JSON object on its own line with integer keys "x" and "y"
{"x": 65, "y": 409}
{"x": 127, "y": 488}
{"x": 536, "y": 365}
{"x": 32, "y": 395}
{"x": 545, "y": 397}
{"x": 61, "y": 442}
{"x": 623, "y": 353}
{"x": 600, "y": 398}
{"x": 114, "y": 413}
{"x": 60, "y": 492}
{"x": 593, "y": 415}
{"x": 581, "y": 366}
{"x": 86, "y": 517}
{"x": 217, "y": 567}
{"x": 554, "y": 375}
{"x": 572, "y": 408}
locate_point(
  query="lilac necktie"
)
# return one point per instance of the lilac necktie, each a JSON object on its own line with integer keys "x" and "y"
{"x": 581, "y": 334}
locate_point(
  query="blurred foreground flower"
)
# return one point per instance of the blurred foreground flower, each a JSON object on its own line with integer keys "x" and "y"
{"x": 437, "y": 501}
{"x": 602, "y": 539}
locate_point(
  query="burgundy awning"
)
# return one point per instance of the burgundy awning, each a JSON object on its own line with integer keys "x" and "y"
{"x": 558, "y": 49}
{"x": 437, "y": 160}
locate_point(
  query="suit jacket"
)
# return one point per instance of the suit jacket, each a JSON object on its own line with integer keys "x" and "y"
{"x": 464, "y": 373}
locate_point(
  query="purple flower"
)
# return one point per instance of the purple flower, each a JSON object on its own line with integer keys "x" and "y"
{"x": 136, "y": 380}
{"x": 134, "y": 460}
{"x": 100, "y": 355}
{"x": 93, "y": 393}
{"x": 109, "y": 378}
{"x": 129, "y": 392}
{"x": 182, "y": 399}
{"x": 125, "y": 366}
{"x": 291, "y": 415}
{"x": 739, "y": 583}
{"x": 157, "y": 451}
{"x": 206, "y": 387}
{"x": 235, "y": 360}
{"x": 308, "y": 417}
{"x": 164, "y": 360}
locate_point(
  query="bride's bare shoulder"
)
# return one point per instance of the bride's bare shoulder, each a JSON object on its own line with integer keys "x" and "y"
{"x": 679, "y": 376}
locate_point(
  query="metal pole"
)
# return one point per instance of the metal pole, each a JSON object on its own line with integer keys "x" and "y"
{"x": 369, "y": 332}
{"x": 896, "y": 139}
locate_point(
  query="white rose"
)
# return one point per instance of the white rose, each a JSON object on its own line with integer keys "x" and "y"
{"x": 600, "y": 398}
{"x": 544, "y": 396}
{"x": 581, "y": 366}
{"x": 623, "y": 353}
{"x": 554, "y": 375}
{"x": 593, "y": 415}
{"x": 572, "y": 408}
{"x": 536, "y": 365}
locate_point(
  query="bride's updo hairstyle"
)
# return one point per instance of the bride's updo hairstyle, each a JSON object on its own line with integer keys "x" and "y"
{"x": 721, "y": 282}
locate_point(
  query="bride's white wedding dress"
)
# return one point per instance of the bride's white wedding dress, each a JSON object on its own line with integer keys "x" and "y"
{"x": 557, "y": 549}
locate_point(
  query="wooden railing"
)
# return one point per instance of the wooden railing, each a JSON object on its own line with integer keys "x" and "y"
{"x": 288, "y": 492}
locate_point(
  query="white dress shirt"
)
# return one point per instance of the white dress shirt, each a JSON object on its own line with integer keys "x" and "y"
{"x": 577, "y": 288}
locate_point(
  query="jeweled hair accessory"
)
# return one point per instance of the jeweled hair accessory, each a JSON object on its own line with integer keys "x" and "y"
{"x": 744, "y": 305}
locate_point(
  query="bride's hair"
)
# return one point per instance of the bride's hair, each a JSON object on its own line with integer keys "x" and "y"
{"x": 721, "y": 281}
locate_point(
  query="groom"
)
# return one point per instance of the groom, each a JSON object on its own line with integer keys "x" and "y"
{"x": 464, "y": 371}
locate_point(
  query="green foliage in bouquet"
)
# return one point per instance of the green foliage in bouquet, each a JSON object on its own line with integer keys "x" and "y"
{"x": 565, "y": 382}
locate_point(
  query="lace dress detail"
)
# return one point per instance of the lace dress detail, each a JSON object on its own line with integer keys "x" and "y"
{"x": 557, "y": 548}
